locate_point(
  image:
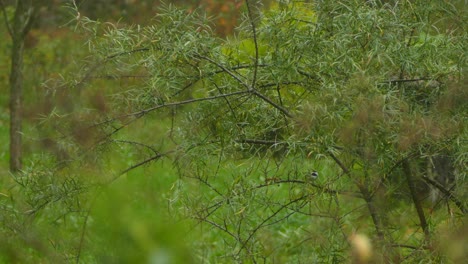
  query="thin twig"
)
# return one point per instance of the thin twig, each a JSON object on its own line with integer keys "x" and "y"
{"x": 264, "y": 222}
{"x": 224, "y": 229}
{"x": 136, "y": 143}
{"x": 155, "y": 157}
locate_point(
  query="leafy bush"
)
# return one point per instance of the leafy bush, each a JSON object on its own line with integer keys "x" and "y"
{"x": 367, "y": 94}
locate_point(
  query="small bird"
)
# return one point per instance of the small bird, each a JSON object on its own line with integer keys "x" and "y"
{"x": 313, "y": 175}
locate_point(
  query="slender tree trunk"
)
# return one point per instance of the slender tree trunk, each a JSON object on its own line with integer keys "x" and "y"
{"x": 18, "y": 30}
{"x": 416, "y": 201}
{"x": 376, "y": 219}
{"x": 16, "y": 90}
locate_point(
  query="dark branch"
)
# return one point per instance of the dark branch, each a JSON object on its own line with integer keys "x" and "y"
{"x": 275, "y": 105}
{"x": 136, "y": 144}
{"x": 224, "y": 229}
{"x": 446, "y": 192}
{"x": 416, "y": 201}
{"x": 248, "y": 87}
{"x": 366, "y": 195}
{"x": 406, "y": 80}
{"x": 118, "y": 77}
{"x": 321, "y": 188}
{"x": 155, "y": 157}
{"x": 143, "y": 112}
{"x": 261, "y": 142}
{"x": 226, "y": 70}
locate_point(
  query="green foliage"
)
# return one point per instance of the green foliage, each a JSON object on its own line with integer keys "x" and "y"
{"x": 204, "y": 152}
{"x": 358, "y": 92}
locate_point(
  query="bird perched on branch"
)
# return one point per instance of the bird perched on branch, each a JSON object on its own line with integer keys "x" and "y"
{"x": 312, "y": 176}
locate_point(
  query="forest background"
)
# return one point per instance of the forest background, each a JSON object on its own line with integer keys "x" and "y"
{"x": 188, "y": 132}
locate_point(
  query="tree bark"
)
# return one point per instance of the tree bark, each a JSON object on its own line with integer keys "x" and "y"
{"x": 18, "y": 30}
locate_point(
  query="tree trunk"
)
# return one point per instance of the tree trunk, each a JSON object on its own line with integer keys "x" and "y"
{"x": 19, "y": 29}
{"x": 16, "y": 87}
{"x": 416, "y": 201}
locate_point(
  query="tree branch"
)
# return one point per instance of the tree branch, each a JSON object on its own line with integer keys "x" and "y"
{"x": 261, "y": 142}
{"x": 5, "y": 17}
{"x": 417, "y": 203}
{"x": 366, "y": 195}
{"x": 446, "y": 192}
{"x": 275, "y": 105}
{"x": 226, "y": 70}
{"x": 406, "y": 80}
{"x": 249, "y": 88}
{"x": 321, "y": 188}
{"x": 143, "y": 112}
{"x": 263, "y": 223}
{"x": 155, "y": 157}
